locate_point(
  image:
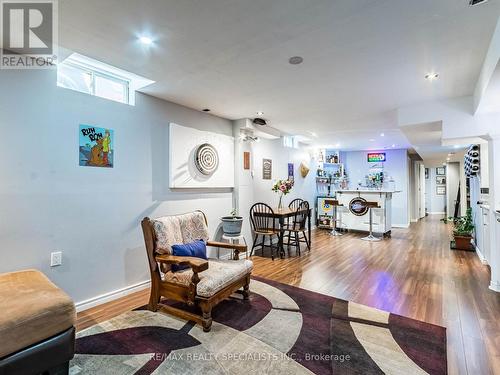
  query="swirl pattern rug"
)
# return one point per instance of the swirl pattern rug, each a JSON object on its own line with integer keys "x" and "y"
{"x": 281, "y": 330}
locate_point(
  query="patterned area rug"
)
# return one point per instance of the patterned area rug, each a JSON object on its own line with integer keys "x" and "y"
{"x": 280, "y": 330}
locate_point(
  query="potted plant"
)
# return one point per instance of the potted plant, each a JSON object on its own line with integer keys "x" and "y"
{"x": 463, "y": 228}
{"x": 282, "y": 187}
{"x": 231, "y": 225}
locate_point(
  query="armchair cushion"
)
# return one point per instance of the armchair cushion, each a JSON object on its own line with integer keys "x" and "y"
{"x": 167, "y": 232}
{"x": 220, "y": 273}
{"x": 179, "y": 229}
{"x": 193, "y": 227}
{"x": 197, "y": 249}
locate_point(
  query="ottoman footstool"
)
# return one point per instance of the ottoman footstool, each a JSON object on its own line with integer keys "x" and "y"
{"x": 36, "y": 325}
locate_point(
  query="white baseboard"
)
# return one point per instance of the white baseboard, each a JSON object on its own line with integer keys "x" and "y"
{"x": 481, "y": 256}
{"x": 436, "y": 213}
{"x": 111, "y": 296}
{"x": 406, "y": 226}
{"x": 414, "y": 220}
{"x": 495, "y": 286}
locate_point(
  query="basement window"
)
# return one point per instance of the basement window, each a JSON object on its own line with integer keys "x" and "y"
{"x": 290, "y": 142}
{"x": 89, "y": 76}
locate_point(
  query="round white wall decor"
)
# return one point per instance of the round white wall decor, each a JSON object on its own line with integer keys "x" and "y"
{"x": 206, "y": 159}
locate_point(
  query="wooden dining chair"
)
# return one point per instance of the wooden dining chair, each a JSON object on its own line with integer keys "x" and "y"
{"x": 263, "y": 224}
{"x": 295, "y": 231}
{"x": 295, "y": 204}
{"x": 293, "y": 207}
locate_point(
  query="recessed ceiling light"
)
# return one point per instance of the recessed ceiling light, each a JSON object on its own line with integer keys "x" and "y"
{"x": 382, "y": 134}
{"x": 260, "y": 113}
{"x": 393, "y": 145}
{"x": 295, "y": 60}
{"x": 206, "y": 110}
{"x": 337, "y": 145}
{"x": 456, "y": 146}
{"x": 431, "y": 76}
{"x": 372, "y": 140}
{"x": 145, "y": 40}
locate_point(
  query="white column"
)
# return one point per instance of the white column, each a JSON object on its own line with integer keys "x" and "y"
{"x": 494, "y": 179}
{"x": 243, "y": 182}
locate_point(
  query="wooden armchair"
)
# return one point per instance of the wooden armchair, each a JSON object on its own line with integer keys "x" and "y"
{"x": 204, "y": 283}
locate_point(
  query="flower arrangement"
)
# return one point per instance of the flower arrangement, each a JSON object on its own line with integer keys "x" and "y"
{"x": 282, "y": 187}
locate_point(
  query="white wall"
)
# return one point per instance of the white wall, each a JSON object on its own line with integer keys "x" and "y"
{"x": 452, "y": 182}
{"x": 252, "y": 188}
{"x": 396, "y": 166}
{"x": 92, "y": 215}
{"x": 436, "y": 204}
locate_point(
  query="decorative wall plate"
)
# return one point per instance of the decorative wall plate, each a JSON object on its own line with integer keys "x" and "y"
{"x": 206, "y": 159}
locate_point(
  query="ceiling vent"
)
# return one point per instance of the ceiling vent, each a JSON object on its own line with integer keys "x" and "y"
{"x": 259, "y": 121}
{"x": 476, "y": 2}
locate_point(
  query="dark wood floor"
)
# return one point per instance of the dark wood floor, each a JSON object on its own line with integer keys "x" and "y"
{"x": 413, "y": 274}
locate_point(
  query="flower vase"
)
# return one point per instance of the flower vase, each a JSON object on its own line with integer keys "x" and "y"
{"x": 280, "y": 203}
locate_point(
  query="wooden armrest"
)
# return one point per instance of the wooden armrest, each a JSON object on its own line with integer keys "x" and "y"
{"x": 226, "y": 245}
{"x": 196, "y": 264}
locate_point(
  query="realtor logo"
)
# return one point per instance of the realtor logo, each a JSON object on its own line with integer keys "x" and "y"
{"x": 29, "y": 31}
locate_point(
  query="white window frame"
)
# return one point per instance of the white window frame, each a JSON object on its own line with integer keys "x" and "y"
{"x": 132, "y": 81}
{"x": 103, "y": 74}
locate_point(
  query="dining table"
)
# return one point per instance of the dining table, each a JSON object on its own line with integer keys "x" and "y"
{"x": 281, "y": 214}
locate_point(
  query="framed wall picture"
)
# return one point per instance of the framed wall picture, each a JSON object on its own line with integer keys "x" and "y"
{"x": 267, "y": 169}
{"x": 290, "y": 171}
{"x": 246, "y": 160}
{"x": 440, "y": 180}
{"x": 441, "y": 171}
{"x": 441, "y": 190}
{"x": 96, "y": 146}
{"x": 426, "y": 173}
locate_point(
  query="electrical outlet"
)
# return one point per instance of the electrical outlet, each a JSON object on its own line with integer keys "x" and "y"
{"x": 56, "y": 259}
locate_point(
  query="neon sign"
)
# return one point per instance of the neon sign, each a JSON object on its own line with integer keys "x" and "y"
{"x": 376, "y": 157}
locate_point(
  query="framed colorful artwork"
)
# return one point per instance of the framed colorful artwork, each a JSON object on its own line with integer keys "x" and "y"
{"x": 290, "y": 171}
{"x": 96, "y": 146}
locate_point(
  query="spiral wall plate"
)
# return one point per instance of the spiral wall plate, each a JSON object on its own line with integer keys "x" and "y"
{"x": 206, "y": 159}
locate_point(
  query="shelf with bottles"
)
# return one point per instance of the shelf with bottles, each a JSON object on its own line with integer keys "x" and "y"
{"x": 330, "y": 170}
{"x": 331, "y": 179}
{"x": 329, "y": 157}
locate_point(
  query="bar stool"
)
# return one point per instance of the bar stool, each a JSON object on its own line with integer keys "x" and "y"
{"x": 335, "y": 203}
{"x": 371, "y": 206}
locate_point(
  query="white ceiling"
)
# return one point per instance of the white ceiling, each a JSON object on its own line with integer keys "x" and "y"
{"x": 362, "y": 58}
{"x": 427, "y": 142}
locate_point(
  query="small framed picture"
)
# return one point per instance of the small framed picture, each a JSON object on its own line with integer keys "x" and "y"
{"x": 267, "y": 169}
{"x": 440, "y": 180}
{"x": 441, "y": 190}
{"x": 441, "y": 171}
{"x": 426, "y": 173}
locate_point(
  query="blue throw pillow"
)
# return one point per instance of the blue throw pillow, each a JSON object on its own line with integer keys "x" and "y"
{"x": 197, "y": 249}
